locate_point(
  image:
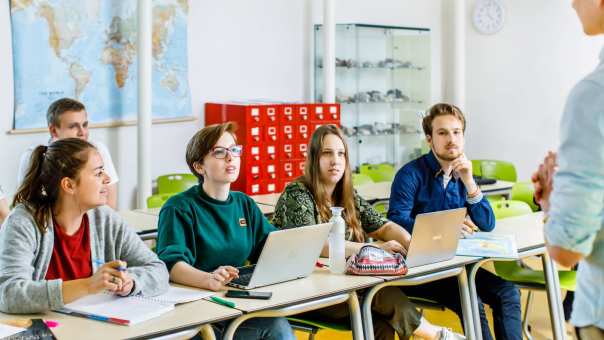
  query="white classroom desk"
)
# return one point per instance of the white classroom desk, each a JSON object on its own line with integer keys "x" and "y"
{"x": 424, "y": 274}
{"x": 381, "y": 190}
{"x": 266, "y": 199}
{"x": 184, "y": 317}
{"x": 528, "y": 231}
{"x": 320, "y": 289}
{"x": 503, "y": 188}
{"x": 144, "y": 221}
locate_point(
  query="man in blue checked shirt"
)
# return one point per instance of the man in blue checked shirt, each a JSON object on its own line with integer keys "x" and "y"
{"x": 440, "y": 180}
{"x": 574, "y": 230}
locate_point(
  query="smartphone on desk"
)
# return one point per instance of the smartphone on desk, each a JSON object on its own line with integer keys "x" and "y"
{"x": 244, "y": 294}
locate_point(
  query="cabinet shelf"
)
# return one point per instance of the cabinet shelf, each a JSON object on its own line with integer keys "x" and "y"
{"x": 353, "y": 68}
{"x": 382, "y": 102}
{"x": 383, "y": 82}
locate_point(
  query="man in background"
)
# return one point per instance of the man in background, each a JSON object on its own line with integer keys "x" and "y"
{"x": 67, "y": 118}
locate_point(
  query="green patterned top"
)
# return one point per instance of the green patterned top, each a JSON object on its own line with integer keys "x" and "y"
{"x": 296, "y": 207}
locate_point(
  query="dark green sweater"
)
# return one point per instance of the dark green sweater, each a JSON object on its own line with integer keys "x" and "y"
{"x": 206, "y": 233}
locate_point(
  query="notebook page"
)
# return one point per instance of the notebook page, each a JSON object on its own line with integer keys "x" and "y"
{"x": 133, "y": 309}
{"x": 6, "y": 330}
{"x": 176, "y": 295}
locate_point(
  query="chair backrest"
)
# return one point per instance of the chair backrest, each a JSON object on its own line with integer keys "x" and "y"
{"x": 524, "y": 191}
{"x": 501, "y": 170}
{"x": 476, "y": 170}
{"x": 382, "y": 207}
{"x": 360, "y": 179}
{"x": 378, "y": 172}
{"x": 510, "y": 208}
{"x": 157, "y": 201}
{"x": 175, "y": 183}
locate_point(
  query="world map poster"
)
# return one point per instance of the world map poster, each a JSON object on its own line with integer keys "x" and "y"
{"x": 87, "y": 50}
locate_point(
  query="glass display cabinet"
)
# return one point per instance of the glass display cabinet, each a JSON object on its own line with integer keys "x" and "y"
{"x": 383, "y": 85}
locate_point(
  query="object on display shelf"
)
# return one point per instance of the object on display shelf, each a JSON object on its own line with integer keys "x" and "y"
{"x": 374, "y": 96}
{"x": 388, "y": 63}
{"x": 380, "y": 129}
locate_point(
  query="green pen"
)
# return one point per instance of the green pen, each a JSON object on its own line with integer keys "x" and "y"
{"x": 222, "y": 301}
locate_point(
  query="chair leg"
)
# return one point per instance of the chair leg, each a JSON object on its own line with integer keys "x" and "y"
{"x": 525, "y": 325}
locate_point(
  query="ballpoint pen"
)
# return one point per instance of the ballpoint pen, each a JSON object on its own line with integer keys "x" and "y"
{"x": 100, "y": 262}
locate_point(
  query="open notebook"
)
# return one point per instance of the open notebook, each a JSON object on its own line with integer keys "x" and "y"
{"x": 484, "y": 244}
{"x": 133, "y": 309}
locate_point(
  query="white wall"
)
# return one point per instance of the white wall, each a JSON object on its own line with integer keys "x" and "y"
{"x": 518, "y": 80}
{"x": 238, "y": 49}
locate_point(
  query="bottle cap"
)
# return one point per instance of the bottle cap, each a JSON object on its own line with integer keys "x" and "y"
{"x": 336, "y": 211}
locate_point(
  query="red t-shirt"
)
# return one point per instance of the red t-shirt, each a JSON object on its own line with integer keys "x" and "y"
{"x": 71, "y": 254}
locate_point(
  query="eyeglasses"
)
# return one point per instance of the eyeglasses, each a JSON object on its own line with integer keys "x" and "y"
{"x": 220, "y": 152}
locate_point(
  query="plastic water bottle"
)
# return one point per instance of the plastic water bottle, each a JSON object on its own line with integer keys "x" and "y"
{"x": 337, "y": 260}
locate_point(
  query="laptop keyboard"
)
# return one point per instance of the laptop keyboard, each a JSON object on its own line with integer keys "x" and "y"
{"x": 245, "y": 275}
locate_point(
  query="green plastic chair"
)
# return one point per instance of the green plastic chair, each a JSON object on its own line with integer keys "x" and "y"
{"x": 360, "y": 179}
{"x": 510, "y": 208}
{"x": 501, "y": 170}
{"x": 518, "y": 273}
{"x": 378, "y": 172}
{"x": 524, "y": 191}
{"x": 476, "y": 170}
{"x": 382, "y": 207}
{"x": 158, "y": 200}
{"x": 175, "y": 183}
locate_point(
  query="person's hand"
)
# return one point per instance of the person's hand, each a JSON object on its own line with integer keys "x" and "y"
{"x": 543, "y": 180}
{"x": 108, "y": 277}
{"x": 463, "y": 167}
{"x": 221, "y": 276}
{"x": 468, "y": 228}
{"x": 127, "y": 285}
{"x": 393, "y": 246}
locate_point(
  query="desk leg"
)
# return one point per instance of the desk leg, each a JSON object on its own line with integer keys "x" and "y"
{"x": 368, "y": 299}
{"x": 367, "y": 317}
{"x": 229, "y": 333}
{"x": 466, "y": 305}
{"x": 552, "y": 284}
{"x": 355, "y": 316}
{"x": 477, "y": 329}
{"x": 207, "y": 333}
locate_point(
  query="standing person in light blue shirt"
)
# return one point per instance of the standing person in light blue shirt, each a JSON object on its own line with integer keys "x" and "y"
{"x": 575, "y": 209}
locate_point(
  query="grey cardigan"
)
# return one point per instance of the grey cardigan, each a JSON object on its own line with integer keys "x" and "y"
{"x": 25, "y": 254}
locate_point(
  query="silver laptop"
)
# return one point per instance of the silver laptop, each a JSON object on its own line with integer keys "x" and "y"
{"x": 435, "y": 237}
{"x": 287, "y": 255}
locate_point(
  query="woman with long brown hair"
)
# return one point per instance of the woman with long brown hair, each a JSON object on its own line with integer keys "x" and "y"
{"x": 60, "y": 242}
{"x": 327, "y": 182}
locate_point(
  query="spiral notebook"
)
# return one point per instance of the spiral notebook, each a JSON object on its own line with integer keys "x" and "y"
{"x": 133, "y": 309}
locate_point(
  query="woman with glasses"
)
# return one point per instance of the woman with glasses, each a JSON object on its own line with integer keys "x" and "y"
{"x": 207, "y": 231}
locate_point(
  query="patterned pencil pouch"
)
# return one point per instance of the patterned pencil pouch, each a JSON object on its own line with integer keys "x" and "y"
{"x": 371, "y": 260}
